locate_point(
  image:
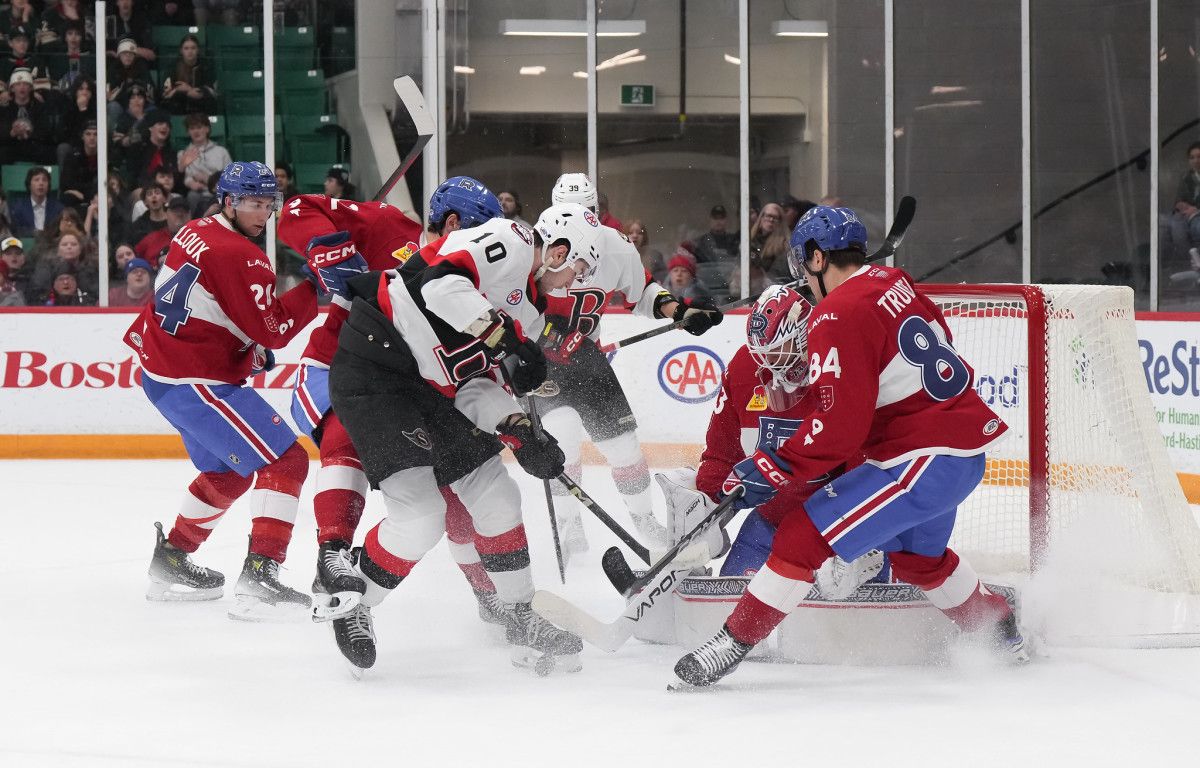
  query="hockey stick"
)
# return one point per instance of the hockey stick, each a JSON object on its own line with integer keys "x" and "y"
{"x": 905, "y": 211}
{"x": 413, "y": 104}
{"x": 644, "y": 593}
{"x": 536, "y": 421}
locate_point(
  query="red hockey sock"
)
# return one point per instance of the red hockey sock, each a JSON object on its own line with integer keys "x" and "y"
{"x": 461, "y": 533}
{"x": 952, "y": 585}
{"x": 981, "y": 609}
{"x": 341, "y": 485}
{"x": 506, "y": 560}
{"x": 207, "y": 499}
{"x": 775, "y": 590}
{"x": 273, "y": 503}
{"x": 382, "y": 566}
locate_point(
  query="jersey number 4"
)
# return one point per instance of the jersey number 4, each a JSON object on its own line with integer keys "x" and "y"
{"x": 171, "y": 298}
{"x": 943, "y": 373}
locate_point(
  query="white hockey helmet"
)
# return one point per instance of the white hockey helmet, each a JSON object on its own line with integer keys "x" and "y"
{"x": 574, "y": 188}
{"x": 580, "y": 228}
{"x": 777, "y": 336}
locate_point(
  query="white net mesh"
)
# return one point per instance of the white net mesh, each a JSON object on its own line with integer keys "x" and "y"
{"x": 1115, "y": 507}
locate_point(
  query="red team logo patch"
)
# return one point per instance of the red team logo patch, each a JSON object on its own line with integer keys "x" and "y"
{"x": 590, "y": 218}
{"x": 523, "y": 233}
{"x": 514, "y": 298}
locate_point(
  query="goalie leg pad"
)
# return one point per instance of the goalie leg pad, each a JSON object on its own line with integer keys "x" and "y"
{"x": 751, "y": 547}
{"x": 686, "y": 507}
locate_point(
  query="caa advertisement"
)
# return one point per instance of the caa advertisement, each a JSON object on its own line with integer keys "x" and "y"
{"x": 70, "y": 374}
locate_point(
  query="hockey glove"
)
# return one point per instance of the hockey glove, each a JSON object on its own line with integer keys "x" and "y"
{"x": 559, "y": 346}
{"x": 264, "y": 360}
{"x": 698, "y": 315}
{"x": 761, "y": 476}
{"x": 541, "y": 458}
{"x": 503, "y": 338}
{"x": 335, "y": 259}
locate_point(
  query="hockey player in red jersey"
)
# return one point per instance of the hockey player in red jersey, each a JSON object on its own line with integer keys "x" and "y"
{"x": 323, "y": 228}
{"x": 413, "y": 381}
{"x": 890, "y": 385}
{"x": 214, "y": 319}
{"x": 590, "y": 397}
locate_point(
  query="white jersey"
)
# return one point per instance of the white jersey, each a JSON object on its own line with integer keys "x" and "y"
{"x": 619, "y": 270}
{"x": 444, "y": 289}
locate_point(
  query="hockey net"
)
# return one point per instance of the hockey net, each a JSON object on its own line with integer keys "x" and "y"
{"x": 1081, "y": 498}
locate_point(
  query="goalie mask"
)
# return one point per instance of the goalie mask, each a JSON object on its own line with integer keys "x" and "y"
{"x": 777, "y": 337}
{"x": 580, "y": 228}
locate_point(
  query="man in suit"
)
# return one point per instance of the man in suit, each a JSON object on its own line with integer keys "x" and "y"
{"x": 30, "y": 215}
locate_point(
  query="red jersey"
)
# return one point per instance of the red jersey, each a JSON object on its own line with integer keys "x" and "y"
{"x": 214, "y": 300}
{"x": 384, "y": 236}
{"x": 888, "y": 380}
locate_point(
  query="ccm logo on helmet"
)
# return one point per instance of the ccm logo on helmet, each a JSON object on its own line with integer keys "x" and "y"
{"x": 691, "y": 374}
{"x": 334, "y": 257}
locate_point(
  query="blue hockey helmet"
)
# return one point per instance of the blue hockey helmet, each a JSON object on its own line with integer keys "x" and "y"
{"x": 252, "y": 179}
{"x": 827, "y": 228}
{"x": 469, "y": 198}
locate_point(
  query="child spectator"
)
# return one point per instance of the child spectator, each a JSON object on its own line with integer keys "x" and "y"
{"x": 20, "y": 14}
{"x": 78, "y": 111}
{"x": 681, "y": 278}
{"x": 164, "y": 178}
{"x": 52, "y": 26}
{"x": 30, "y": 215}
{"x": 20, "y": 273}
{"x": 155, "y": 217}
{"x": 178, "y": 214}
{"x": 129, "y": 129}
{"x": 73, "y": 62}
{"x": 144, "y": 159}
{"x": 191, "y": 86}
{"x": 25, "y": 124}
{"x": 138, "y": 288}
{"x": 9, "y": 295}
{"x": 124, "y": 24}
{"x": 21, "y": 56}
{"x": 127, "y": 72}
{"x": 201, "y": 158}
{"x": 285, "y": 177}
{"x": 337, "y": 183}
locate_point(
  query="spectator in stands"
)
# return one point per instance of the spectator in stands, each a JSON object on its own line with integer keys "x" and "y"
{"x": 124, "y": 24}
{"x": 758, "y": 282}
{"x": 285, "y": 177}
{"x": 718, "y": 245}
{"x": 30, "y": 215}
{"x": 65, "y": 290}
{"x": 652, "y": 259}
{"x": 606, "y": 218}
{"x": 120, "y": 213}
{"x": 155, "y": 198}
{"x": 122, "y": 255}
{"x": 681, "y": 278}
{"x": 76, "y": 114}
{"x": 337, "y": 183}
{"x": 178, "y": 214}
{"x": 793, "y": 209}
{"x": 68, "y": 222}
{"x": 10, "y": 295}
{"x": 68, "y": 255}
{"x": 53, "y": 24}
{"x": 226, "y": 9}
{"x": 145, "y": 157}
{"x": 26, "y": 133}
{"x": 138, "y": 288}
{"x": 20, "y": 271}
{"x": 20, "y": 14}
{"x": 5, "y": 229}
{"x": 126, "y": 73}
{"x": 769, "y": 245}
{"x": 1185, "y": 219}
{"x": 129, "y": 130}
{"x": 165, "y": 179}
{"x": 21, "y": 56}
{"x": 79, "y": 169}
{"x": 212, "y": 206}
{"x": 199, "y": 159}
{"x": 172, "y": 13}
{"x": 191, "y": 85}
{"x": 510, "y": 203}
{"x": 74, "y": 62}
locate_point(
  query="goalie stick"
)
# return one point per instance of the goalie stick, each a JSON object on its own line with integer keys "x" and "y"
{"x": 905, "y": 211}
{"x": 644, "y": 593}
{"x": 413, "y": 103}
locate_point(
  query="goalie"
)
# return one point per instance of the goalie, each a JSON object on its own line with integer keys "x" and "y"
{"x": 764, "y": 398}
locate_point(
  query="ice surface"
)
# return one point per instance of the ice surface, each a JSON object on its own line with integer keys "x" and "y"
{"x": 93, "y": 675}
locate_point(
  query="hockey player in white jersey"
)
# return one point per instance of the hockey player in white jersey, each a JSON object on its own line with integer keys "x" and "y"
{"x": 589, "y": 395}
{"x": 415, "y": 383}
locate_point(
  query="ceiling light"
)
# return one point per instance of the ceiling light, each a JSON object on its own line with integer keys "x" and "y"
{"x": 732, "y": 59}
{"x": 571, "y": 28}
{"x": 535, "y": 70}
{"x": 580, "y": 75}
{"x": 621, "y": 59}
{"x": 458, "y": 68}
{"x": 949, "y": 105}
{"x": 940, "y": 89}
{"x": 794, "y": 28}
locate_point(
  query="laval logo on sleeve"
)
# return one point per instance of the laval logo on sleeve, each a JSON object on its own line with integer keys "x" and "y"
{"x": 691, "y": 374}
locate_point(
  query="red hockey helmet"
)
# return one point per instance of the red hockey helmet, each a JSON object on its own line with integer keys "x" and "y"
{"x": 777, "y": 335}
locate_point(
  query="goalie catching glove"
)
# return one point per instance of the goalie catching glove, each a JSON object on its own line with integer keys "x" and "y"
{"x": 335, "y": 259}
{"x": 503, "y": 338}
{"x": 540, "y": 457}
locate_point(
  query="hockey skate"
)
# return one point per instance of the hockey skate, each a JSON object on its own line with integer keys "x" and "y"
{"x": 710, "y": 662}
{"x": 1011, "y": 642}
{"x": 539, "y": 645}
{"x": 570, "y": 534}
{"x": 173, "y": 575}
{"x": 492, "y": 610}
{"x": 337, "y": 588}
{"x": 355, "y": 637}
{"x": 261, "y": 597}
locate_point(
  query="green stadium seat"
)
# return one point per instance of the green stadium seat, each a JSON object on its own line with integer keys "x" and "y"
{"x": 167, "y": 38}
{"x": 295, "y": 48}
{"x": 27, "y": 244}
{"x": 310, "y": 177}
{"x": 340, "y": 56}
{"x": 244, "y": 103}
{"x": 297, "y": 102}
{"x": 314, "y": 147}
{"x": 246, "y": 126}
{"x": 248, "y": 148}
{"x": 298, "y": 125}
{"x": 225, "y": 40}
{"x": 307, "y": 79}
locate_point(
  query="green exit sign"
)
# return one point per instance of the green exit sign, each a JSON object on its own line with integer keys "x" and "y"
{"x": 637, "y": 95}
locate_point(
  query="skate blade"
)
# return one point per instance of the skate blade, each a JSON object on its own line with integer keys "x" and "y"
{"x": 679, "y": 686}
{"x": 355, "y": 672}
{"x": 247, "y": 608}
{"x": 180, "y": 593}
{"x": 335, "y": 606}
{"x": 545, "y": 664}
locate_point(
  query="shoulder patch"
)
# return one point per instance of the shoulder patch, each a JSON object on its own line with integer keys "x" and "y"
{"x": 523, "y": 233}
{"x": 758, "y": 401}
